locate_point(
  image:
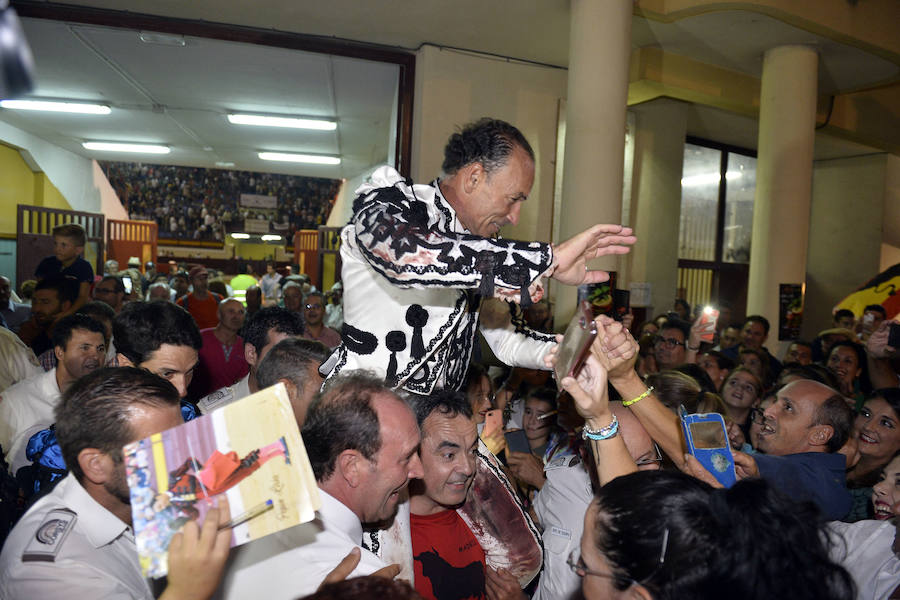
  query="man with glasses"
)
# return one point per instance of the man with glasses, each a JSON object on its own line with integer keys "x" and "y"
{"x": 669, "y": 346}
{"x": 316, "y": 330}
{"x": 562, "y": 501}
{"x": 110, "y": 290}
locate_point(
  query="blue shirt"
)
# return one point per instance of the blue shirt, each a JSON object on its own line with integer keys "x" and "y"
{"x": 81, "y": 269}
{"x": 813, "y": 476}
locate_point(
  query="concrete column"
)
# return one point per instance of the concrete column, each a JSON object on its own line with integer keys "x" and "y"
{"x": 599, "y": 54}
{"x": 660, "y": 129}
{"x": 781, "y": 206}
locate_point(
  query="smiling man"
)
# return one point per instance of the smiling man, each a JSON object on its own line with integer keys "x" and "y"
{"x": 417, "y": 260}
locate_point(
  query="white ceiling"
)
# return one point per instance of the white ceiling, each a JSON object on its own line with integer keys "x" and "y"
{"x": 179, "y": 95}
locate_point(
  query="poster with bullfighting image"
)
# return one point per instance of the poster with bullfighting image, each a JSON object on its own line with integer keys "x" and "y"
{"x": 250, "y": 451}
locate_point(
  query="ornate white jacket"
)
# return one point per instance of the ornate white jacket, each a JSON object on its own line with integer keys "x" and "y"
{"x": 414, "y": 279}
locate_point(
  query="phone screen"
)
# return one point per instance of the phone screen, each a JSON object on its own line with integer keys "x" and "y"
{"x": 126, "y": 281}
{"x": 708, "y": 435}
{"x": 517, "y": 441}
{"x": 576, "y": 342}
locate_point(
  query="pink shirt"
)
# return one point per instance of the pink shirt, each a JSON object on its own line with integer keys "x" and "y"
{"x": 328, "y": 336}
{"x": 219, "y": 366}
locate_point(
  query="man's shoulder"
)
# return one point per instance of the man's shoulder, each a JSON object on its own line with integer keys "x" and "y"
{"x": 41, "y": 534}
{"x": 31, "y": 385}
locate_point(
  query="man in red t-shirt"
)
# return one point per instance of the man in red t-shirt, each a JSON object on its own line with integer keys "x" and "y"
{"x": 448, "y": 560}
{"x": 201, "y": 303}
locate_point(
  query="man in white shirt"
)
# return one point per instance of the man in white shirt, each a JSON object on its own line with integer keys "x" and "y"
{"x": 362, "y": 442}
{"x": 77, "y": 542}
{"x": 17, "y": 361}
{"x": 27, "y": 407}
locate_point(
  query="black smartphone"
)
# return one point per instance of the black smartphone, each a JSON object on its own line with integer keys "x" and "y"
{"x": 894, "y": 336}
{"x": 517, "y": 441}
{"x": 621, "y": 303}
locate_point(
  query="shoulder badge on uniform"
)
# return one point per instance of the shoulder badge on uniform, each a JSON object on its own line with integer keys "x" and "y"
{"x": 50, "y": 535}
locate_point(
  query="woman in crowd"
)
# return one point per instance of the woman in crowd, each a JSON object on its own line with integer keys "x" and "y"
{"x": 847, "y": 360}
{"x": 480, "y": 393}
{"x": 886, "y": 493}
{"x": 757, "y": 362}
{"x": 876, "y": 434}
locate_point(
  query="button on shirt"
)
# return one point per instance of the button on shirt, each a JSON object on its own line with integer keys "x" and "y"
{"x": 97, "y": 558}
{"x": 24, "y": 406}
{"x": 307, "y": 556}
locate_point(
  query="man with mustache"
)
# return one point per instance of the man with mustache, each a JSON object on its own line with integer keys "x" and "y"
{"x": 417, "y": 260}
{"x": 79, "y": 342}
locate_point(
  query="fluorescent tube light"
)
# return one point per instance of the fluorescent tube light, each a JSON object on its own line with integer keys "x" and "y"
{"x": 122, "y": 147}
{"x": 270, "y": 121}
{"x": 240, "y": 236}
{"x": 271, "y": 238}
{"x": 50, "y": 106}
{"x": 312, "y": 159}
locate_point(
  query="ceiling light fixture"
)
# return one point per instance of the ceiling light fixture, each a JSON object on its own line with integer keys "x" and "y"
{"x": 271, "y": 121}
{"x": 124, "y": 147}
{"x": 271, "y": 238}
{"x": 240, "y": 236}
{"x": 56, "y": 106}
{"x": 310, "y": 159}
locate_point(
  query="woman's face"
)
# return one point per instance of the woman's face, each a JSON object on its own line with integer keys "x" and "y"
{"x": 480, "y": 399}
{"x": 594, "y": 586}
{"x": 739, "y": 391}
{"x": 536, "y": 429}
{"x": 844, "y": 363}
{"x": 886, "y": 492}
{"x": 877, "y": 430}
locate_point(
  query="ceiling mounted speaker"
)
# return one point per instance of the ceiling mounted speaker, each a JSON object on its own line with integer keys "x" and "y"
{"x": 16, "y": 63}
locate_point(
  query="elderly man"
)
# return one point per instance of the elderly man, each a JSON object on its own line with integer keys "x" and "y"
{"x": 418, "y": 259}
{"x": 362, "y": 442}
{"x": 222, "y": 362}
{"x": 265, "y": 329}
{"x": 27, "y": 407}
{"x": 77, "y": 541}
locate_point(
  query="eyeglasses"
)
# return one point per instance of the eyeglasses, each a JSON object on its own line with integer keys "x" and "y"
{"x": 576, "y": 563}
{"x": 312, "y": 306}
{"x": 668, "y": 342}
{"x": 656, "y": 459}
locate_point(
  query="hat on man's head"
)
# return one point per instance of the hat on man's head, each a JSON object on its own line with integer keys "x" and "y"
{"x": 841, "y": 331}
{"x": 197, "y": 270}
{"x": 134, "y": 261}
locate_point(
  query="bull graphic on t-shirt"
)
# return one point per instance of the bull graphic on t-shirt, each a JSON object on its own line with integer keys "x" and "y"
{"x": 449, "y": 582}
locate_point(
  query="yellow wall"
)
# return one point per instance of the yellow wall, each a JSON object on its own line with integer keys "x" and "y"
{"x": 20, "y": 185}
{"x": 254, "y": 251}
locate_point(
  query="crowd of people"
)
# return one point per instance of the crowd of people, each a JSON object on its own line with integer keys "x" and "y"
{"x": 191, "y": 203}
{"x": 451, "y": 464}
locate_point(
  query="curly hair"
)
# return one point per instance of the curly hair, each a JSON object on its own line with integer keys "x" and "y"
{"x": 486, "y": 141}
{"x": 680, "y": 538}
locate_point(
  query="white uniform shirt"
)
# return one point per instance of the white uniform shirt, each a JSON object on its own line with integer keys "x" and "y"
{"x": 560, "y": 506}
{"x": 24, "y": 407}
{"x": 84, "y": 551}
{"x": 17, "y": 361}
{"x": 293, "y": 563}
{"x": 864, "y": 549}
{"x": 225, "y": 395}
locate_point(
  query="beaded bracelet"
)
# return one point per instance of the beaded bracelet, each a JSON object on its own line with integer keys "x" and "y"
{"x": 604, "y": 433}
{"x": 639, "y": 398}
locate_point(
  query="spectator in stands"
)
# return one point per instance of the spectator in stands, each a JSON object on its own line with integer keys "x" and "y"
{"x": 844, "y": 319}
{"x": 201, "y": 303}
{"x": 292, "y": 297}
{"x": 110, "y": 290}
{"x": 111, "y": 267}
{"x": 53, "y": 297}
{"x": 267, "y": 327}
{"x": 27, "y": 407}
{"x": 295, "y": 363}
{"x": 161, "y": 338}
{"x": 271, "y": 284}
{"x": 314, "y": 313}
{"x": 68, "y": 244}
{"x": 103, "y": 314}
{"x": 222, "y": 361}
{"x": 13, "y": 313}
{"x": 81, "y": 532}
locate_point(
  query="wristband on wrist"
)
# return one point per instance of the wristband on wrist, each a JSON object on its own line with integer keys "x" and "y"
{"x": 646, "y": 393}
{"x": 604, "y": 433}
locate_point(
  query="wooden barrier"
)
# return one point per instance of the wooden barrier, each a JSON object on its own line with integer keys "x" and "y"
{"x": 34, "y": 239}
{"x": 131, "y": 238}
